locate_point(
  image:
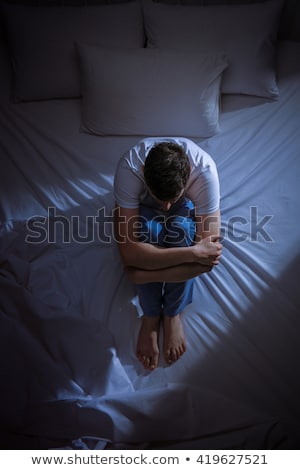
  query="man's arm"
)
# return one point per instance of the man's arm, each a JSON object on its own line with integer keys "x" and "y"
{"x": 207, "y": 227}
{"x": 146, "y": 256}
{"x": 179, "y": 273}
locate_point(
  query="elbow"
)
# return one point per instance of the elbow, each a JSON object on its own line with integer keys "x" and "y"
{"x": 205, "y": 268}
{"x": 134, "y": 275}
{"x": 126, "y": 256}
{"x": 129, "y": 269}
{"x": 127, "y": 261}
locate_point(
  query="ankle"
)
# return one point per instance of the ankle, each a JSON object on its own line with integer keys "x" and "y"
{"x": 150, "y": 321}
{"x": 172, "y": 318}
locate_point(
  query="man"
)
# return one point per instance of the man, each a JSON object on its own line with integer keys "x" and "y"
{"x": 167, "y": 226}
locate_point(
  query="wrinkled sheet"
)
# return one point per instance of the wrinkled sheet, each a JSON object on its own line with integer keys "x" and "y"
{"x": 69, "y": 322}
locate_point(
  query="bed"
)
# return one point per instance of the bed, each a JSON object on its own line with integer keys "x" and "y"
{"x": 69, "y": 314}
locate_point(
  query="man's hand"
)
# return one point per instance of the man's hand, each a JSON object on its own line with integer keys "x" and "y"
{"x": 208, "y": 251}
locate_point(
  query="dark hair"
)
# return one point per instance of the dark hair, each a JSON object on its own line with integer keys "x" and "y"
{"x": 166, "y": 171}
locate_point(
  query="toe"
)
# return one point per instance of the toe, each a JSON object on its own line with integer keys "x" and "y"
{"x": 146, "y": 362}
{"x": 170, "y": 356}
{"x": 153, "y": 363}
{"x": 174, "y": 355}
{"x": 154, "y": 360}
{"x": 167, "y": 355}
{"x": 149, "y": 362}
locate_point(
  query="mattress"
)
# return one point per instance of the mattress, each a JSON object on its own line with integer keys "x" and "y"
{"x": 69, "y": 314}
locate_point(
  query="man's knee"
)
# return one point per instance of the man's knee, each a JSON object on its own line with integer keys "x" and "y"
{"x": 150, "y": 231}
{"x": 180, "y": 231}
{"x": 180, "y": 225}
{"x": 150, "y": 226}
{"x": 183, "y": 207}
{"x": 175, "y": 228}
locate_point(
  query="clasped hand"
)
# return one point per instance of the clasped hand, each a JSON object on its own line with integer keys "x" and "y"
{"x": 208, "y": 251}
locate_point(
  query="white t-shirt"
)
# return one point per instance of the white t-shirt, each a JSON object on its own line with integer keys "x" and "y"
{"x": 202, "y": 186}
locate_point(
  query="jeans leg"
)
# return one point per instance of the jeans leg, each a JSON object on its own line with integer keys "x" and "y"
{"x": 177, "y": 295}
{"x": 174, "y": 228}
{"x": 151, "y": 298}
{"x": 151, "y": 230}
{"x": 180, "y": 231}
{"x": 180, "y": 224}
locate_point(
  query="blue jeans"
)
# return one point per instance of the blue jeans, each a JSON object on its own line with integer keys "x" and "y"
{"x": 174, "y": 228}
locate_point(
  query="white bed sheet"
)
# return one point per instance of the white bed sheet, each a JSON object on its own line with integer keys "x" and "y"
{"x": 69, "y": 376}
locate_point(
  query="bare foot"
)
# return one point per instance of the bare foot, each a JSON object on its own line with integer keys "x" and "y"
{"x": 147, "y": 349}
{"x": 174, "y": 339}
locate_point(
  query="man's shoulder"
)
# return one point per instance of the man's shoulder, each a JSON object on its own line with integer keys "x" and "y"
{"x": 198, "y": 157}
{"x": 136, "y": 155}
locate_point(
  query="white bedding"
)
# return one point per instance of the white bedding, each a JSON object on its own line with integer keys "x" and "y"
{"x": 69, "y": 376}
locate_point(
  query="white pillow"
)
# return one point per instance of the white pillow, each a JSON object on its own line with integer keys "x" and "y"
{"x": 42, "y": 39}
{"x": 150, "y": 92}
{"x": 245, "y": 33}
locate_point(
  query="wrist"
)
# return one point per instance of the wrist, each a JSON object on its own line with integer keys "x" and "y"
{"x": 193, "y": 254}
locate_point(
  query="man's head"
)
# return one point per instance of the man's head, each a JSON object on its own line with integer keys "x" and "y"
{"x": 166, "y": 170}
